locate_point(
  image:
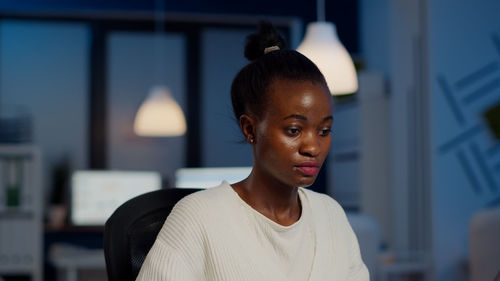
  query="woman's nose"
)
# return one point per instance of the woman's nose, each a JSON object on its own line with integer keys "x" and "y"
{"x": 311, "y": 145}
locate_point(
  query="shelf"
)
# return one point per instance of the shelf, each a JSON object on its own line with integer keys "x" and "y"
{"x": 18, "y": 150}
{"x": 21, "y": 230}
{"x": 16, "y": 214}
{"x": 16, "y": 263}
{"x": 11, "y": 156}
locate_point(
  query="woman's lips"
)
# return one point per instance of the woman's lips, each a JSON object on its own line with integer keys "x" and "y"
{"x": 308, "y": 168}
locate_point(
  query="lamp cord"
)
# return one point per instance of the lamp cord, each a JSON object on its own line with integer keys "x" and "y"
{"x": 320, "y": 10}
{"x": 159, "y": 29}
{"x": 1, "y": 80}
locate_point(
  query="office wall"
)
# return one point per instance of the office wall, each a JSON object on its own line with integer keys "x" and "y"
{"x": 462, "y": 69}
{"x": 387, "y": 40}
{"x": 44, "y": 68}
{"x": 374, "y": 35}
{"x": 464, "y": 76}
{"x": 344, "y": 157}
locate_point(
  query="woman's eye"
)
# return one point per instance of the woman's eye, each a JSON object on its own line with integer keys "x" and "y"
{"x": 292, "y": 131}
{"x": 325, "y": 131}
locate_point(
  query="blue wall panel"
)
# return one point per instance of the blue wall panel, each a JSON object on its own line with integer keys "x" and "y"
{"x": 465, "y": 82}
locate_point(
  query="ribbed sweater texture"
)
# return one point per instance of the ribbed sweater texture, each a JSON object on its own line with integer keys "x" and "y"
{"x": 213, "y": 235}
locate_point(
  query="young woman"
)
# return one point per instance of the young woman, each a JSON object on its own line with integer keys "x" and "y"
{"x": 268, "y": 226}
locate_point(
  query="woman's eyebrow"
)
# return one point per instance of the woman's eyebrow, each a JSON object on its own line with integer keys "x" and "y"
{"x": 302, "y": 117}
{"x": 296, "y": 116}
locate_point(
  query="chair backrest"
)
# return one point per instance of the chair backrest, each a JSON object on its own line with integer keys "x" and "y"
{"x": 131, "y": 230}
{"x": 484, "y": 246}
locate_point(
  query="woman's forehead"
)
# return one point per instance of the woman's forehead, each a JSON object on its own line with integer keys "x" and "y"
{"x": 299, "y": 97}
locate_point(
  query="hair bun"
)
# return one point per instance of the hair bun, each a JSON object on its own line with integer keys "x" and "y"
{"x": 267, "y": 36}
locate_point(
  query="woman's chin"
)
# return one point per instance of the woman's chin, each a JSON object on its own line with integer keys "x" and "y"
{"x": 306, "y": 181}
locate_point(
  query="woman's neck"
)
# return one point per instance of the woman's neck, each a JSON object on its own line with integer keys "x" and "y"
{"x": 278, "y": 202}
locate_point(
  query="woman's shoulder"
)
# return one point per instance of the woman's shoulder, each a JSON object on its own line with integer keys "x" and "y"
{"x": 329, "y": 215}
{"x": 194, "y": 212}
{"x": 316, "y": 198}
{"x": 203, "y": 201}
{"x": 324, "y": 206}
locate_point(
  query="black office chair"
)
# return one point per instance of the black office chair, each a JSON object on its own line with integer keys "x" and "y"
{"x": 131, "y": 230}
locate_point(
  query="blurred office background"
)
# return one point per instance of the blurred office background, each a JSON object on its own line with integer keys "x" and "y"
{"x": 415, "y": 158}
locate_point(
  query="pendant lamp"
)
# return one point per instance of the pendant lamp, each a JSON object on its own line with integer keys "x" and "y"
{"x": 322, "y": 46}
{"x": 159, "y": 115}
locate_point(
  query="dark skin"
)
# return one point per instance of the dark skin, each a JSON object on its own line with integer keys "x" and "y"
{"x": 290, "y": 141}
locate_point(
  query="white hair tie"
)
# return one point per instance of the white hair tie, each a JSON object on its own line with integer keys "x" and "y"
{"x": 270, "y": 49}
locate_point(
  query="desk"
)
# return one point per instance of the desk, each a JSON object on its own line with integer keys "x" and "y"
{"x": 70, "y": 259}
{"x": 84, "y": 243}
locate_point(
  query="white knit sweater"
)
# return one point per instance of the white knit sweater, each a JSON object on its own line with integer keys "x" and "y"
{"x": 214, "y": 235}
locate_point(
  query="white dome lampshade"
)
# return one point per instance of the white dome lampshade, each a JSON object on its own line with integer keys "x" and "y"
{"x": 322, "y": 46}
{"x": 159, "y": 115}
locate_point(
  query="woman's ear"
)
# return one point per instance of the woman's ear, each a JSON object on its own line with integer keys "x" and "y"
{"x": 248, "y": 127}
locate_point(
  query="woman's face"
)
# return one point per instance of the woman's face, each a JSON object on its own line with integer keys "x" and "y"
{"x": 292, "y": 137}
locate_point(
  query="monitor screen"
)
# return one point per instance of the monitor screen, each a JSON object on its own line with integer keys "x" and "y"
{"x": 209, "y": 177}
{"x": 95, "y": 195}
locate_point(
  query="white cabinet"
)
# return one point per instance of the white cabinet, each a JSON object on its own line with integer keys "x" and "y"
{"x": 21, "y": 211}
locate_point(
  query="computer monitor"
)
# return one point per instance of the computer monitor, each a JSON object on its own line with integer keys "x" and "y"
{"x": 209, "y": 177}
{"x": 95, "y": 195}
